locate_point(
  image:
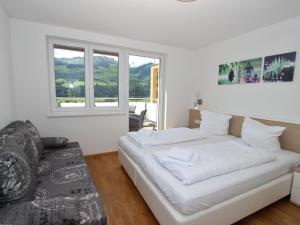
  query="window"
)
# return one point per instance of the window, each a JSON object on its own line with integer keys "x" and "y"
{"x": 85, "y": 79}
{"x": 69, "y": 68}
{"x": 106, "y": 79}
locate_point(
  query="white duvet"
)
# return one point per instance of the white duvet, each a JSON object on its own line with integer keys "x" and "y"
{"x": 211, "y": 160}
{"x": 146, "y": 138}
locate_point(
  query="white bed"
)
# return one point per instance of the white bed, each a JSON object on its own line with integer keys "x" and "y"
{"x": 137, "y": 153}
{"x": 174, "y": 203}
{"x": 189, "y": 199}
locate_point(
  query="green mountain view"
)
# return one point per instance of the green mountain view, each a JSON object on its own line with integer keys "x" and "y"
{"x": 70, "y": 82}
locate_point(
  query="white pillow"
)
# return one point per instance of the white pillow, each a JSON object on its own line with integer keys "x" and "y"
{"x": 259, "y": 135}
{"x": 214, "y": 123}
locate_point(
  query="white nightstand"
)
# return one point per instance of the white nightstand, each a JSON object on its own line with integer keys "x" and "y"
{"x": 295, "y": 195}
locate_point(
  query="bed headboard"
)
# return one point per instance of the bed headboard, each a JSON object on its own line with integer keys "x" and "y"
{"x": 289, "y": 140}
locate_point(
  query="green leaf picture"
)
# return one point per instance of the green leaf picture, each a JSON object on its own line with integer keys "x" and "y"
{"x": 279, "y": 68}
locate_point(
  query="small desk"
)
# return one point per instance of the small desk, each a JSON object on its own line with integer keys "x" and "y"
{"x": 194, "y": 118}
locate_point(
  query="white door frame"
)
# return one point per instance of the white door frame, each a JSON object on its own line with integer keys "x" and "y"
{"x": 161, "y": 82}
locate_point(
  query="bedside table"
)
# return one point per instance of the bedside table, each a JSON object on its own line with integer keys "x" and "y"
{"x": 194, "y": 118}
{"x": 295, "y": 195}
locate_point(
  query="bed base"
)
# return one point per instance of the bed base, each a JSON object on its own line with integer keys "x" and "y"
{"x": 224, "y": 213}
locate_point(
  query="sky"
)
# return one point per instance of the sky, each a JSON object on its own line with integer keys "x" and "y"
{"x": 61, "y": 53}
{"x": 134, "y": 61}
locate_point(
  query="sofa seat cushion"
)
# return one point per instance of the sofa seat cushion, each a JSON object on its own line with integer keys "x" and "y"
{"x": 60, "y": 211}
{"x": 17, "y": 179}
{"x": 57, "y": 158}
{"x": 71, "y": 181}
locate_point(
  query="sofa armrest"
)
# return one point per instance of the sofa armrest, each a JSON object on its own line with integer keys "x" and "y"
{"x": 54, "y": 142}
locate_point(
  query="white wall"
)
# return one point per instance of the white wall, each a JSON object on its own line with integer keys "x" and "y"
{"x": 95, "y": 133}
{"x": 6, "y": 98}
{"x": 279, "y": 101}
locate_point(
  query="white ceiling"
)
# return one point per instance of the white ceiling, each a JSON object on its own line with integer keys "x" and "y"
{"x": 188, "y": 25}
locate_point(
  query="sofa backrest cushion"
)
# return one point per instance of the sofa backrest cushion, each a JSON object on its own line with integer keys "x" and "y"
{"x": 17, "y": 133}
{"x": 25, "y": 141}
{"x": 10, "y": 128}
{"x": 17, "y": 179}
{"x": 33, "y": 131}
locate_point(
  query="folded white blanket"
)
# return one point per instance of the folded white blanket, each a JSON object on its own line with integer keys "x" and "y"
{"x": 165, "y": 137}
{"x": 180, "y": 154}
{"x": 175, "y": 162}
{"x": 215, "y": 159}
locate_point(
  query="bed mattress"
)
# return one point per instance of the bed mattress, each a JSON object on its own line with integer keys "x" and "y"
{"x": 189, "y": 199}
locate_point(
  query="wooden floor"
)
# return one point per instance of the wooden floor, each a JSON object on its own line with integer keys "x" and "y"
{"x": 125, "y": 206}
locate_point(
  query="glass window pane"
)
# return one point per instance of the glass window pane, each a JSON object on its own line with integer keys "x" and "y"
{"x": 144, "y": 87}
{"x": 106, "y": 79}
{"x": 69, "y": 69}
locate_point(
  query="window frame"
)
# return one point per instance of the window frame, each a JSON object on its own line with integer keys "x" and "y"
{"x": 89, "y": 108}
{"x": 162, "y": 93}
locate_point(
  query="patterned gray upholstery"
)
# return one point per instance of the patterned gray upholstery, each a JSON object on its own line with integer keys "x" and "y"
{"x": 54, "y": 142}
{"x": 33, "y": 131}
{"x": 21, "y": 137}
{"x": 12, "y": 126}
{"x": 17, "y": 179}
{"x": 60, "y": 190}
{"x": 63, "y": 182}
{"x": 56, "y": 211}
{"x": 53, "y": 159}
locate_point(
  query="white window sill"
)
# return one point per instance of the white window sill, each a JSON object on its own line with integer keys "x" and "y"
{"x": 84, "y": 113}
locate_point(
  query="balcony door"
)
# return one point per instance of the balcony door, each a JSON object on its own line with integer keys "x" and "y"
{"x": 145, "y": 88}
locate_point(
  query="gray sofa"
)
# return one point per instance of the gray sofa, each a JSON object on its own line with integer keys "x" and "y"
{"x": 45, "y": 181}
